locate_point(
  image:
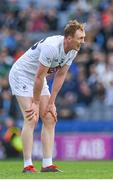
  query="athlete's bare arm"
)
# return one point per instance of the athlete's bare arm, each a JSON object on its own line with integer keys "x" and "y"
{"x": 38, "y": 85}
{"x": 39, "y": 80}
{"x": 58, "y": 82}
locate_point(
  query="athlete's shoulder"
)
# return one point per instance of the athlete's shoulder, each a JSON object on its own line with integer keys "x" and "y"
{"x": 57, "y": 37}
{"x": 54, "y": 40}
{"x": 51, "y": 43}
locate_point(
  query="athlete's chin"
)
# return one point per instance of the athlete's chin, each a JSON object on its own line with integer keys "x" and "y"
{"x": 77, "y": 48}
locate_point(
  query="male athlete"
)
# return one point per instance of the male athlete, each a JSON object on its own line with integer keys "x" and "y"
{"x": 27, "y": 79}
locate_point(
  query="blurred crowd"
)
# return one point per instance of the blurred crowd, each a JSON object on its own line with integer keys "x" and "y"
{"x": 87, "y": 92}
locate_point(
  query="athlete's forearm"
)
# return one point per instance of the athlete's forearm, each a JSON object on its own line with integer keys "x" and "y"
{"x": 57, "y": 84}
{"x": 38, "y": 85}
{"x": 39, "y": 81}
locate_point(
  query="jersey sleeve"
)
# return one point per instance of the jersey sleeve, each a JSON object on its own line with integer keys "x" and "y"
{"x": 69, "y": 62}
{"x": 46, "y": 55}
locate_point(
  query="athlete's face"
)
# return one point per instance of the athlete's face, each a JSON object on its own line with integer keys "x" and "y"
{"x": 77, "y": 39}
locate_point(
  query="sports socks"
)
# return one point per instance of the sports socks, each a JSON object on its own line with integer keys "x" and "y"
{"x": 46, "y": 162}
{"x": 27, "y": 162}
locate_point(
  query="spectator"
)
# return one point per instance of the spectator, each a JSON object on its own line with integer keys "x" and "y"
{"x": 11, "y": 139}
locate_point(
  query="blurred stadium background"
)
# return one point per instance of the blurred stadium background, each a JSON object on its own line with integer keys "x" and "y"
{"x": 85, "y": 104}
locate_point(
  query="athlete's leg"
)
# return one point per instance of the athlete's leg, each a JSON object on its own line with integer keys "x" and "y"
{"x": 27, "y": 130}
{"x": 48, "y": 129}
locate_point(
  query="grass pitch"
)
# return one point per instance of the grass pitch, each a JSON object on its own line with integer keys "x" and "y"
{"x": 12, "y": 169}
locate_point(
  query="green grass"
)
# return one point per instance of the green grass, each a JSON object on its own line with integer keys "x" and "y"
{"x": 72, "y": 170}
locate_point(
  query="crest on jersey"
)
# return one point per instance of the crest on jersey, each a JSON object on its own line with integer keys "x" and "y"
{"x": 48, "y": 60}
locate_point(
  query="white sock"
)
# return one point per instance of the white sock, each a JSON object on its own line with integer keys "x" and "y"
{"x": 28, "y": 162}
{"x": 46, "y": 162}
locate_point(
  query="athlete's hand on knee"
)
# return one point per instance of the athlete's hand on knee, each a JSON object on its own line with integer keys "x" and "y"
{"x": 33, "y": 112}
{"x": 51, "y": 108}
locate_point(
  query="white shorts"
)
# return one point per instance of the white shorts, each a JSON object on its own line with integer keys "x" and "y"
{"x": 21, "y": 85}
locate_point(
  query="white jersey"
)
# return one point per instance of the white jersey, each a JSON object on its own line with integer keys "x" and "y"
{"x": 49, "y": 52}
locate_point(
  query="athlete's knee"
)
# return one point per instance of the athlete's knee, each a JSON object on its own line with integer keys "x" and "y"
{"x": 48, "y": 119}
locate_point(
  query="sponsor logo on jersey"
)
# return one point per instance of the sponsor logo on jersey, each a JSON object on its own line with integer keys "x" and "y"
{"x": 53, "y": 70}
